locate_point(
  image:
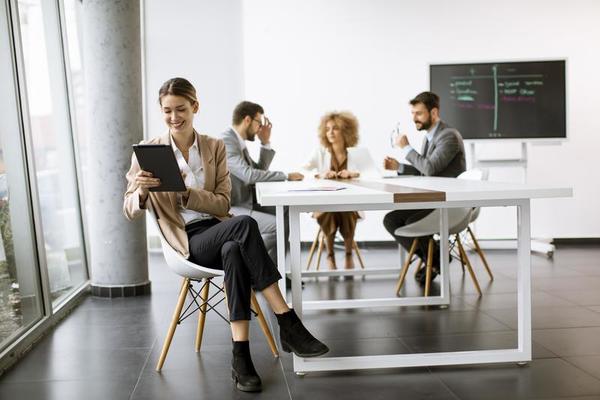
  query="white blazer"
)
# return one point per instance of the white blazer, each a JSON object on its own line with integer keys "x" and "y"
{"x": 359, "y": 160}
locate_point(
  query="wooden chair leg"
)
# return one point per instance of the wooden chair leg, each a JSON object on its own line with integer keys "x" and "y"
{"x": 202, "y": 314}
{"x": 429, "y": 267}
{"x": 263, "y": 325}
{"x": 468, "y": 265}
{"x": 413, "y": 248}
{"x": 358, "y": 255}
{"x": 460, "y": 256}
{"x": 320, "y": 251}
{"x": 174, "y": 320}
{"x": 480, "y": 252}
{"x": 312, "y": 250}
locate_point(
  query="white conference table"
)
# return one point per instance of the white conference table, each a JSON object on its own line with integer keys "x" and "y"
{"x": 405, "y": 192}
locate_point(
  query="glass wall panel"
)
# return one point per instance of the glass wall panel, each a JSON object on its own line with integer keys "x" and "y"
{"x": 20, "y": 291}
{"x": 73, "y": 41}
{"x": 52, "y": 146}
{"x": 20, "y": 303}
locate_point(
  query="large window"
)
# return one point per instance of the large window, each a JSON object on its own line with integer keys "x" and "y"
{"x": 42, "y": 257}
{"x": 21, "y": 303}
{"x": 51, "y": 134}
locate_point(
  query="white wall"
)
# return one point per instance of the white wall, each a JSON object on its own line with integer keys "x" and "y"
{"x": 202, "y": 42}
{"x": 305, "y": 57}
{"x": 300, "y": 59}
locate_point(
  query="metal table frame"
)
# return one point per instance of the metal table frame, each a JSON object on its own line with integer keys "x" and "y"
{"x": 520, "y": 354}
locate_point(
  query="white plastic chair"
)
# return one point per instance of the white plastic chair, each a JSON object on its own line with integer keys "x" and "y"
{"x": 191, "y": 273}
{"x": 458, "y": 220}
{"x": 478, "y": 175}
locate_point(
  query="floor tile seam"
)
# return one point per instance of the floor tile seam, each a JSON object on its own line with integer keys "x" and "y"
{"x": 269, "y": 321}
{"x": 46, "y": 380}
{"x": 406, "y": 345}
{"x": 558, "y": 294}
{"x": 503, "y": 323}
{"x": 507, "y": 330}
{"x": 554, "y": 355}
{"x": 590, "y": 308}
{"x": 141, "y": 373}
{"x": 555, "y": 294}
{"x": 285, "y": 380}
{"x": 444, "y": 384}
{"x": 88, "y": 348}
{"x": 534, "y": 307}
{"x": 533, "y": 330}
{"x": 457, "y": 334}
{"x": 582, "y": 370}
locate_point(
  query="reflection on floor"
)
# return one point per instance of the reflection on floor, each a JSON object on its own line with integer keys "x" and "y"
{"x": 107, "y": 349}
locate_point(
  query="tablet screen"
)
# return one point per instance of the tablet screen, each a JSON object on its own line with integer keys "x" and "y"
{"x": 159, "y": 159}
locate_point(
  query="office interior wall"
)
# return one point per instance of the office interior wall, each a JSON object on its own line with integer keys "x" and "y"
{"x": 300, "y": 59}
{"x": 303, "y": 58}
{"x": 202, "y": 42}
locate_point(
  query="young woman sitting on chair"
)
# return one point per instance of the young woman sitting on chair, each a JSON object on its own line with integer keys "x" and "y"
{"x": 197, "y": 224}
{"x": 337, "y": 158}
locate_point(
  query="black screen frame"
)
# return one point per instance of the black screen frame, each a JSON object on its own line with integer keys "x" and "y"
{"x": 487, "y": 136}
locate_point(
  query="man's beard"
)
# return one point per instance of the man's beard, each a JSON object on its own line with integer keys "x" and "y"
{"x": 425, "y": 125}
{"x": 250, "y": 135}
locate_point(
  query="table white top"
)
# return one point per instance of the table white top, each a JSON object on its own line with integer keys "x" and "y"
{"x": 397, "y": 190}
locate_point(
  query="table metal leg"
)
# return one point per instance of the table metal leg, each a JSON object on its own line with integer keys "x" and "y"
{"x": 524, "y": 279}
{"x": 279, "y": 216}
{"x": 444, "y": 261}
{"x": 296, "y": 267}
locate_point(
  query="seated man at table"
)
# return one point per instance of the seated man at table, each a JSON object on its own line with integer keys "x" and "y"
{"x": 249, "y": 122}
{"x": 442, "y": 154}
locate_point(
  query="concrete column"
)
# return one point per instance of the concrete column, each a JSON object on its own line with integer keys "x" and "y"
{"x": 113, "y": 80}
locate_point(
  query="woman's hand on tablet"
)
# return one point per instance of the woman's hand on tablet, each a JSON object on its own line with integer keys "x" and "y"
{"x": 145, "y": 181}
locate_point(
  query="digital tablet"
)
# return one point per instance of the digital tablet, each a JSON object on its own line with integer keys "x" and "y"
{"x": 159, "y": 159}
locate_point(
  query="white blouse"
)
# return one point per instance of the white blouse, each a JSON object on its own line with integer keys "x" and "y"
{"x": 359, "y": 160}
{"x": 194, "y": 178}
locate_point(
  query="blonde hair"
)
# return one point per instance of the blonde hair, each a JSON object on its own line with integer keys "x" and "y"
{"x": 344, "y": 120}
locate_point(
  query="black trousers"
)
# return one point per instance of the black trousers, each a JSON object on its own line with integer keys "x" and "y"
{"x": 399, "y": 218}
{"x": 236, "y": 247}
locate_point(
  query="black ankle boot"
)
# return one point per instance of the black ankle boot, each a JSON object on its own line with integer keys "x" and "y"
{"x": 296, "y": 338}
{"x": 242, "y": 370}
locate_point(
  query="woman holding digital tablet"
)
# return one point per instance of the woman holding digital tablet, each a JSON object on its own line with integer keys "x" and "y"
{"x": 197, "y": 224}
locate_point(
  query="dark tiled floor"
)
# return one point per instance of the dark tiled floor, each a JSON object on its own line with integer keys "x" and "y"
{"x": 107, "y": 349}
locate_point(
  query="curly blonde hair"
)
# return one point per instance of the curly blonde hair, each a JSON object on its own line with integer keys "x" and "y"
{"x": 346, "y": 121}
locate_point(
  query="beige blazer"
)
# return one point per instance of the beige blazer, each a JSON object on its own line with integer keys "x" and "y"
{"x": 213, "y": 199}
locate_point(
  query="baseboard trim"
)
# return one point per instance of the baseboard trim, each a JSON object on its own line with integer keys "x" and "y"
{"x": 577, "y": 241}
{"x": 142, "y": 289}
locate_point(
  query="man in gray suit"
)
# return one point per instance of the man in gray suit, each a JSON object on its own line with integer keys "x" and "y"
{"x": 249, "y": 122}
{"x": 443, "y": 154}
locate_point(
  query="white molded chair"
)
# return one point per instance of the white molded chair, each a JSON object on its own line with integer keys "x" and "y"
{"x": 191, "y": 273}
{"x": 458, "y": 220}
{"x": 479, "y": 175}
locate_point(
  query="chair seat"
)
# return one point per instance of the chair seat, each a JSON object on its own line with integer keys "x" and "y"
{"x": 458, "y": 220}
{"x": 186, "y": 268}
{"x": 180, "y": 265}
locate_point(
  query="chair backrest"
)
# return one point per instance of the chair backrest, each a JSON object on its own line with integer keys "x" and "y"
{"x": 476, "y": 175}
{"x": 178, "y": 264}
{"x": 458, "y": 218}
